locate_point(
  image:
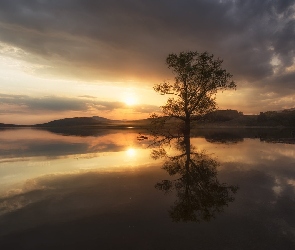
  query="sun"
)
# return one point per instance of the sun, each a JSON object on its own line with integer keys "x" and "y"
{"x": 130, "y": 100}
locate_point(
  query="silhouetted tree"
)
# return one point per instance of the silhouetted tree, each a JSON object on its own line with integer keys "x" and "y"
{"x": 198, "y": 77}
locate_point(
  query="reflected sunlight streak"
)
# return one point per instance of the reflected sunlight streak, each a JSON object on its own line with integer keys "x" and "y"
{"x": 131, "y": 152}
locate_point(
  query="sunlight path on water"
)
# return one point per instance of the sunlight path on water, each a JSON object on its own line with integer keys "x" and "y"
{"x": 27, "y": 154}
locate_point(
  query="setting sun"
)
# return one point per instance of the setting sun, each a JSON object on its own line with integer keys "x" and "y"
{"x": 130, "y": 100}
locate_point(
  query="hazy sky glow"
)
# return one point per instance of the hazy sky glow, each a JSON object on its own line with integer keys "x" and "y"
{"x": 85, "y": 57}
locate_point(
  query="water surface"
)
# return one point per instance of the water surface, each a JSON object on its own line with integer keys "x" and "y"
{"x": 97, "y": 191}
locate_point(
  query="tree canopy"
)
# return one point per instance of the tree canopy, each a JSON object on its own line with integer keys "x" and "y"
{"x": 198, "y": 77}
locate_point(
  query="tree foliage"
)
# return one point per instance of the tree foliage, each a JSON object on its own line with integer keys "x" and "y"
{"x": 200, "y": 195}
{"x": 198, "y": 77}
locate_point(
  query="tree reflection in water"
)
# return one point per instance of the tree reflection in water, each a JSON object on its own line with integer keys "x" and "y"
{"x": 200, "y": 195}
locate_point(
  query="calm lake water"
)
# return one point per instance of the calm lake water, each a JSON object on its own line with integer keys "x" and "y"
{"x": 100, "y": 190}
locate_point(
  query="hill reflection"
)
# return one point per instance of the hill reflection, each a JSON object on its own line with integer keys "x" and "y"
{"x": 226, "y": 135}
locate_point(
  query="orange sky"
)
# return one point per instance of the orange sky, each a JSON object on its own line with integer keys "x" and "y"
{"x": 83, "y": 58}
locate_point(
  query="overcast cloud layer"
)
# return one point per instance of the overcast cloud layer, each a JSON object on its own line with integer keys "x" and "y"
{"x": 23, "y": 104}
{"x": 129, "y": 39}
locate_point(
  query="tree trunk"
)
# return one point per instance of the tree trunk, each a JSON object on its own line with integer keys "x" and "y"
{"x": 187, "y": 126}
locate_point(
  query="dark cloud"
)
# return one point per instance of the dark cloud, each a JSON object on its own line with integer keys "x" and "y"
{"x": 285, "y": 80}
{"x": 130, "y": 39}
{"x": 284, "y": 43}
{"x": 54, "y": 103}
{"x": 59, "y": 104}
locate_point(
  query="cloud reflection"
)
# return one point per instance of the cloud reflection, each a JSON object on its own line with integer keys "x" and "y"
{"x": 32, "y": 143}
{"x": 90, "y": 208}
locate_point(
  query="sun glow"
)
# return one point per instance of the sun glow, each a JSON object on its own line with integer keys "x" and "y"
{"x": 131, "y": 152}
{"x": 130, "y": 99}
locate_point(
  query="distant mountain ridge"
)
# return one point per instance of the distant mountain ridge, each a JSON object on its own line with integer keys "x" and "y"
{"x": 4, "y": 125}
{"x": 75, "y": 121}
{"x": 226, "y": 118}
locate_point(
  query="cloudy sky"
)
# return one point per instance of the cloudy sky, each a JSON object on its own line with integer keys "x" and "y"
{"x": 92, "y": 57}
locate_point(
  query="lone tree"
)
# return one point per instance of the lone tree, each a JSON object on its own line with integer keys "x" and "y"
{"x": 198, "y": 77}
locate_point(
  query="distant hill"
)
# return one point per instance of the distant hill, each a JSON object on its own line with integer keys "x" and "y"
{"x": 3, "y": 125}
{"x": 218, "y": 118}
{"x": 76, "y": 121}
{"x": 100, "y": 119}
{"x": 277, "y": 118}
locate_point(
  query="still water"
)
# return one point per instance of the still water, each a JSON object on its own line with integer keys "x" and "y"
{"x": 103, "y": 190}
